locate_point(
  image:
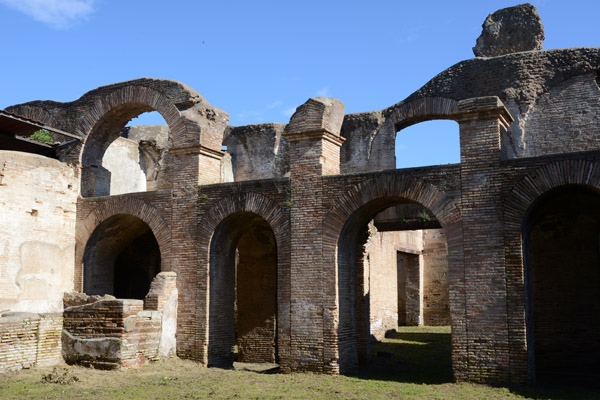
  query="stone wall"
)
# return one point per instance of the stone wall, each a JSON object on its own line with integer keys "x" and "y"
{"x": 37, "y": 231}
{"x": 29, "y": 340}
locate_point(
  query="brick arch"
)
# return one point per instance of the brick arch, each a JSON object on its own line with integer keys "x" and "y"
{"x": 129, "y": 101}
{"x": 186, "y": 112}
{"x": 550, "y": 176}
{"x": 366, "y": 198}
{"x": 517, "y": 204}
{"x": 391, "y": 186}
{"x": 278, "y": 220}
{"x": 244, "y": 202}
{"x": 119, "y": 206}
{"x": 410, "y": 112}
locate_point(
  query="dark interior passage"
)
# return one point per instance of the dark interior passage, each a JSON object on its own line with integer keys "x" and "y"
{"x": 121, "y": 258}
{"x": 564, "y": 286}
{"x": 136, "y": 266}
{"x": 255, "y": 295}
{"x": 243, "y": 292}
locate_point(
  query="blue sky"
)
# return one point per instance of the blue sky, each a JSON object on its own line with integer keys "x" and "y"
{"x": 259, "y": 60}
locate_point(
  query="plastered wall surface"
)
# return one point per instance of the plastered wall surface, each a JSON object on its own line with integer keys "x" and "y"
{"x": 37, "y": 231}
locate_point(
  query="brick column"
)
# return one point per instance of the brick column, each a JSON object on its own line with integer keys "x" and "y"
{"x": 195, "y": 162}
{"x": 481, "y": 123}
{"x": 315, "y": 141}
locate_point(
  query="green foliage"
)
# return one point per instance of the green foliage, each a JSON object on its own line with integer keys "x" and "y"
{"x": 42, "y": 135}
{"x": 423, "y": 217}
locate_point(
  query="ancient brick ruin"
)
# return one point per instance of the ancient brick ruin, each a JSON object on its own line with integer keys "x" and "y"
{"x": 299, "y": 243}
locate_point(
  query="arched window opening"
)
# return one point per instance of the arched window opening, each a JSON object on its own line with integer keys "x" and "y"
{"x": 393, "y": 274}
{"x": 243, "y": 292}
{"x": 121, "y": 258}
{"x": 562, "y": 258}
{"x": 433, "y": 142}
{"x": 124, "y": 156}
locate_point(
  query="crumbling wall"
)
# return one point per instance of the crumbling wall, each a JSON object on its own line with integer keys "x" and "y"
{"x": 37, "y": 231}
{"x": 258, "y": 151}
{"x": 370, "y": 143}
{"x": 109, "y": 333}
{"x": 120, "y": 171}
{"x": 28, "y": 340}
{"x": 154, "y": 157}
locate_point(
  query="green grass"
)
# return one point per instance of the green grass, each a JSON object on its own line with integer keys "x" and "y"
{"x": 415, "y": 365}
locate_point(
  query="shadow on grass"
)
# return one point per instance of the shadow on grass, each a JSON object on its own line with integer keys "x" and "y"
{"x": 411, "y": 357}
{"x": 415, "y": 355}
{"x": 564, "y": 391}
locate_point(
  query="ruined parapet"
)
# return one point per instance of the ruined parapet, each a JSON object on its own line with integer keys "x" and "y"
{"x": 258, "y": 151}
{"x": 29, "y": 340}
{"x": 510, "y": 30}
{"x": 369, "y": 144}
{"x": 109, "y": 333}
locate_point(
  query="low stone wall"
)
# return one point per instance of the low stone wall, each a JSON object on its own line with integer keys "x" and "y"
{"x": 109, "y": 333}
{"x": 28, "y": 340}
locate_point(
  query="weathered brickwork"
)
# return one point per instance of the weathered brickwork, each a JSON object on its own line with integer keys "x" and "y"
{"x": 312, "y": 287}
{"x": 109, "y": 333}
{"x": 28, "y": 340}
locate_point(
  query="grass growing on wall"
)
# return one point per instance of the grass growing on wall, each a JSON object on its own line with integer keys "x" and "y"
{"x": 412, "y": 364}
{"x": 42, "y": 135}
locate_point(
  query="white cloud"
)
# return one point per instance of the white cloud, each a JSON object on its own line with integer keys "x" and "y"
{"x": 275, "y": 104}
{"x": 59, "y": 14}
{"x": 288, "y": 112}
{"x": 324, "y": 92}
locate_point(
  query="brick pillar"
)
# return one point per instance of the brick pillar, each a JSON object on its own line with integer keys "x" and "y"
{"x": 195, "y": 162}
{"x": 481, "y": 123}
{"x": 315, "y": 141}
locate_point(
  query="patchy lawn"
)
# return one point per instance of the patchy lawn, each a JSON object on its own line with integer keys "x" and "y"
{"x": 412, "y": 364}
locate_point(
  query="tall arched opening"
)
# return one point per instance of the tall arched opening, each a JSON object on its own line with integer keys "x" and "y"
{"x": 243, "y": 292}
{"x": 561, "y": 235}
{"x": 121, "y": 258}
{"x": 378, "y": 295}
